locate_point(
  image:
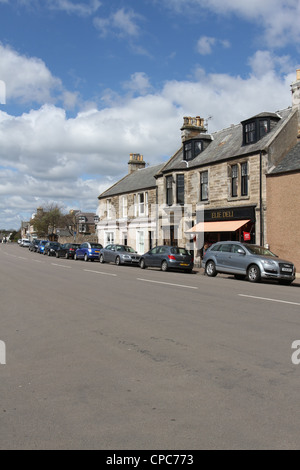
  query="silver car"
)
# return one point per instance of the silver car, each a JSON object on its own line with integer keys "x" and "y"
{"x": 252, "y": 262}
{"x": 119, "y": 254}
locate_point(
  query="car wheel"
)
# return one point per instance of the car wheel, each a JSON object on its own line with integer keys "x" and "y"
{"x": 253, "y": 273}
{"x": 86, "y": 258}
{"x": 56, "y": 255}
{"x": 142, "y": 264}
{"x": 67, "y": 255}
{"x": 285, "y": 283}
{"x": 49, "y": 254}
{"x": 210, "y": 269}
{"x": 164, "y": 266}
{"x": 75, "y": 257}
{"x": 118, "y": 261}
{"x": 101, "y": 259}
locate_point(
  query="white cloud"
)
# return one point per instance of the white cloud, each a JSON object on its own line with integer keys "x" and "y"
{"x": 46, "y": 156}
{"x": 122, "y": 23}
{"x": 279, "y": 18}
{"x": 27, "y": 79}
{"x": 205, "y": 44}
{"x": 139, "y": 83}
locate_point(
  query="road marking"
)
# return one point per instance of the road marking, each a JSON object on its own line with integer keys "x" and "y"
{"x": 37, "y": 261}
{"x": 167, "y": 283}
{"x": 270, "y": 300}
{"x": 61, "y": 265}
{"x": 99, "y": 272}
{"x": 20, "y": 257}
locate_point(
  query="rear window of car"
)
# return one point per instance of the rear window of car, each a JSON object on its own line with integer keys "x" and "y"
{"x": 95, "y": 245}
{"x": 180, "y": 251}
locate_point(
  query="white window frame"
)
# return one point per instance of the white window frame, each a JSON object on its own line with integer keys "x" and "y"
{"x": 109, "y": 238}
{"x": 108, "y": 208}
{"x": 124, "y": 207}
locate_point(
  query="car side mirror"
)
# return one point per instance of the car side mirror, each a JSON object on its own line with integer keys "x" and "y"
{"x": 241, "y": 252}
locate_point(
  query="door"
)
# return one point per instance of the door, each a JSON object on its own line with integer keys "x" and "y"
{"x": 238, "y": 259}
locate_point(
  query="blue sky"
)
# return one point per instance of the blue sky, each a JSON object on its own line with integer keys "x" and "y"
{"x": 88, "y": 83}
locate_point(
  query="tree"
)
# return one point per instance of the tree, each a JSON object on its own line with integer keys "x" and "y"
{"x": 47, "y": 220}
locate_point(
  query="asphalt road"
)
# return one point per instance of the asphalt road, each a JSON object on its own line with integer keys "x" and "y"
{"x": 107, "y": 357}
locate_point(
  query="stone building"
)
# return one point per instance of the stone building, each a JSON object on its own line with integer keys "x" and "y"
{"x": 213, "y": 188}
{"x": 124, "y": 210}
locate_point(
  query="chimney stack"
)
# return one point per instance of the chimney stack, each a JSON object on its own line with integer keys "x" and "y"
{"x": 136, "y": 162}
{"x": 295, "y": 86}
{"x": 192, "y": 126}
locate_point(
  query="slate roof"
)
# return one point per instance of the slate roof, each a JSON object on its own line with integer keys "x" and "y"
{"x": 291, "y": 162}
{"x": 137, "y": 181}
{"x": 228, "y": 143}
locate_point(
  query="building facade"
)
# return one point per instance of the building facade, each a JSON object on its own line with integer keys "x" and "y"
{"x": 283, "y": 215}
{"x": 213, "y": 188}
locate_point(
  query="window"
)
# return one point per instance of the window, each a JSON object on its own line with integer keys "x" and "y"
{"x": 141, "y": 198}
{"x": 135, "y": 205}
{"x": 169, "y": 190}
{"x": 180, "y": 189}
{"x": 108, "y": 208}
{"x": 234, "y": 181}
{"x": 225, "y": 248}
{"x": 124, "y": 206}
{"x": 192, "y": 149}
{"x": 264, "y": 127}
{"x": 244, "y": 179}
{"x": 110, "y": 238}
{"x": 204, "y": 186}
{"x": 250, "y": 134}
{"x": 256, "y": 129}
{"x": 188, "y": 151}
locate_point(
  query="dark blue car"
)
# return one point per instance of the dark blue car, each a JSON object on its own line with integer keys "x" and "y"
{"x": 88, "y": 251}
{"x": 41, "y": 246}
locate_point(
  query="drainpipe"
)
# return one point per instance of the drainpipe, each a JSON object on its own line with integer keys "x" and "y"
{"x": 261, "y": 201}
{"x": 157, "y": 217}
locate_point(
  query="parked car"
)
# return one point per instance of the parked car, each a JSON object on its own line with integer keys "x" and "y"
{"x": 25, "y": 242}
{"x": 119, "y": 254}
{"x": 34, "y": 245}
{"x": 67, "y": 250}
{"x": 50, "y": 248}
{"x": 41, "y": 246}
{"x": 168, "y": 257}
{"x": 252, "y": 262}
{"x": 88, "y": 251}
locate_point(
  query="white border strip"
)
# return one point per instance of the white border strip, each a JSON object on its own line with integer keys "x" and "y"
{"x": 270, "y": 300}
{"x": 99, "y": 272}
{"x": 167, "y": 284}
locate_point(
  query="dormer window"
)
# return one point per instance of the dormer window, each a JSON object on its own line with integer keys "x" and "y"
{"x": 257, "y": 127}
{"x": 191, "y": 149}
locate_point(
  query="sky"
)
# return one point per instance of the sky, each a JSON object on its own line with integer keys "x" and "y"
{"x": 85, "y": 83}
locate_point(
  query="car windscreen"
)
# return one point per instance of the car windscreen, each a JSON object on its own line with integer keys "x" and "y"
{"x": 129, "y": 249}
{"x": 259, "y": 250}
